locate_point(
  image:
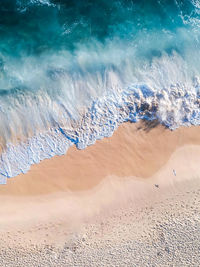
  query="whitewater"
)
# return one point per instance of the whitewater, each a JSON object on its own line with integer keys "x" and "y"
{"x": 72, "y": 72}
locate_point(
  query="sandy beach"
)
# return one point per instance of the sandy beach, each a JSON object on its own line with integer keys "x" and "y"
{"x": 138, "y": 150}
{"x": 128, "y": 197}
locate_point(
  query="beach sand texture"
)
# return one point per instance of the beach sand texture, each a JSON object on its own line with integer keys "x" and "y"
{"x": 129, "y": 200}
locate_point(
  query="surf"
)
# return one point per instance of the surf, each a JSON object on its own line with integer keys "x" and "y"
{"x": 72, "y": 72}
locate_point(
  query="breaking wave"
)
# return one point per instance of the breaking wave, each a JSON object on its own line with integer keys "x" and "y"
{"x": 72, "y": 71}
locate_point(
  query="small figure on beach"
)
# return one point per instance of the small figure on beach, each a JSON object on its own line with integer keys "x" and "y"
{"x": 156, "y": 185}
{"x": 174, "y": 172}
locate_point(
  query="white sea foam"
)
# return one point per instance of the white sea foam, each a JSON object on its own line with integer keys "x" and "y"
{"x": 24, "y": 4}
{"x": 173, "y": 107}
{"x": 58, "y": 100}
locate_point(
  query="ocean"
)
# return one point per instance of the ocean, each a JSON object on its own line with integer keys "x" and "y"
{"x": 72, "y": 71}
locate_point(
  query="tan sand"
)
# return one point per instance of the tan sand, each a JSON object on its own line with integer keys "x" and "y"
{"x": 134, "y": 150}
{"x": 130, "y": 172}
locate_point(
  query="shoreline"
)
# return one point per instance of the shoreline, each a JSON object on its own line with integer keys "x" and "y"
{"x": 134, "y": 150}
{"x": 164, "y": 158}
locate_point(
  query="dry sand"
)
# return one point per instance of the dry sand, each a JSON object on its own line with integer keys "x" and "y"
{"x": 129, "y": 200}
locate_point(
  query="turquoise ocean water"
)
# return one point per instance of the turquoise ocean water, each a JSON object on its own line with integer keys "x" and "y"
{"x": 72, "y": 71}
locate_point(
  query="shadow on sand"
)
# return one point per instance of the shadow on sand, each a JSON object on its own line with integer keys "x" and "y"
{"x": 147, "y": 126}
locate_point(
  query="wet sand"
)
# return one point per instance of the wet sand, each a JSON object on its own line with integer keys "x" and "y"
{"x": 138, "y": 150}
{"x": 119, "y": 196}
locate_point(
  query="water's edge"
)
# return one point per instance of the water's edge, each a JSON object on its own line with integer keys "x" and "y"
{"x": 171, "y": 108}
